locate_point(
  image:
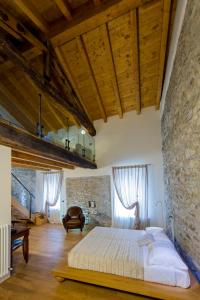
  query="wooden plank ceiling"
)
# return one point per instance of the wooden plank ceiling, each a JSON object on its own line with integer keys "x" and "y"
{"x": 113, "y": 53}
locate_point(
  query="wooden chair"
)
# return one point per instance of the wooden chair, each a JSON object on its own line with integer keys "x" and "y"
{"x": 20, "y": 238}
{"x": 74, "y": 218}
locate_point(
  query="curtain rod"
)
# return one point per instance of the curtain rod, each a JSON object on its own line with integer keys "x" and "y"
{"x": 134, "y": 166}
{"x": 52, "y": 172}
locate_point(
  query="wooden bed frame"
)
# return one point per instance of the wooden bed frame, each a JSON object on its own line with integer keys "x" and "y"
{"x": 125, "y": 284}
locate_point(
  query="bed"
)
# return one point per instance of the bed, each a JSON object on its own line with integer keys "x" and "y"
{"x": 107, "y": 256}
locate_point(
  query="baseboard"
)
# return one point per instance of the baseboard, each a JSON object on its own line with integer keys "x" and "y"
{"x": 5, "y": 277}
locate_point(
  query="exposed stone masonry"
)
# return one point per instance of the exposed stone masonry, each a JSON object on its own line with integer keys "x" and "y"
{"x": 181, "y": 137}
{"x": 28, "y": 178}
{"x": 84, "y": 189}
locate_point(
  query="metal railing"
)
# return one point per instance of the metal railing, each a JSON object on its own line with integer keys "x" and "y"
{"x": 31, "y": 196}
{"x": 73, "y": 139}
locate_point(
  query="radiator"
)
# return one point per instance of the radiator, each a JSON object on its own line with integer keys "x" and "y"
{"x": 4, "y": 252}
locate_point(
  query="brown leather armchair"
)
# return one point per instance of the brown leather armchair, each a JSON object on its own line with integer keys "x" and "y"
{"x": 74, "y": 218}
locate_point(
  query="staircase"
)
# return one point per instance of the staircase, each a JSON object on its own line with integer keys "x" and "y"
{"x": 20, "y": 212}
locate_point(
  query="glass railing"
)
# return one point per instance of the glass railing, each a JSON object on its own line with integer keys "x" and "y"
{"x": 74, "y": 139}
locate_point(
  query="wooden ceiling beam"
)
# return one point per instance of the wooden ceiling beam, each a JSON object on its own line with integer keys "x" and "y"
{"x": 21, "y": 153}
{"x": 48, "y": 125}
{"x": 28, "y": 54}
{"x": 92, "y": 17}
{"x": 63, "y": 61}
{"x": 18, "y": 30}
{"x": 64, "y": 86}
{"x": 19, "y": 139}
{"x": 21, "y": 156}
{"x": 60, "y": 73}
{"x": 134, "y": 23}
{"x": 65, "y": 113}
{"x": 27, "y": 105}
{"x": 49, "y": 106}
{"x": 85, "y": 57}
{"x": 64, "y": 8}
{"x": 97, "y": 2}
{"x": 90, "y": 20}
{"x": 18, "y": 97}
{"x": 55, "y": 113}
{"x": 30, "y": 11}
{"x": 111, "y": 64}
{"x": 24, "y": 166}
{"x": 163, "y": 47}
{"x": 9, "y": 30}
{"x": 35, "y": 165}
{"x": 12, "y": 96}
{"x": 62, "y": 103}
{"x": 15, "y": 112}
{"x": 67, "y": 119}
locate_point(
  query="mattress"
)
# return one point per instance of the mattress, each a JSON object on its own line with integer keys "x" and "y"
{"x": 116, "y": 251}
{"x": 109, "y": 250}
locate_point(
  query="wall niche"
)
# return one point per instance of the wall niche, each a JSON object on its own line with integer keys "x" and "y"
{"x": 93, "y": 195}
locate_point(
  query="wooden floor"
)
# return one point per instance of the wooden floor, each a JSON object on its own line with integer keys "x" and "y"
{"x": 48, "y": 245}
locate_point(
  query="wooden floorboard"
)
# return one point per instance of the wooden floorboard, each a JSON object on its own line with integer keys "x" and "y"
{"x": 34, "y": 281}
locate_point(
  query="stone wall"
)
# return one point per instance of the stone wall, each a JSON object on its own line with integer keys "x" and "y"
{"x": 28, "y": 178}
{"x": 181, "y": 138}
{"x": 95, "y": 188}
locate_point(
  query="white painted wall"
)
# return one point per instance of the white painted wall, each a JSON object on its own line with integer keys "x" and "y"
{"x": 135, "y": 139}
{"x": 5, "y": 185}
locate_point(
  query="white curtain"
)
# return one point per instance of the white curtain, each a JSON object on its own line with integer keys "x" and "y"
{"x": 130, "y": 203}
{"x": 51, "y": 195}
{"x": 39, "y": 205}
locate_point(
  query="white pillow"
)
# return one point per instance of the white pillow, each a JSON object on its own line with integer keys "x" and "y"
{"x": 160, "y": 236}
{"x": 146, "y": 240}
{"x": 154, "y": 229}
{"x": 162, "y": 253}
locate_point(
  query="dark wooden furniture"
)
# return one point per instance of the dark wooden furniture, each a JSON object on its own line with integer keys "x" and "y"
{"x": 74, "y": 218}
{"x": 20, "y": 232}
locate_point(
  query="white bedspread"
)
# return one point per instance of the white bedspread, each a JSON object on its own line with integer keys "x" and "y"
{"x": 116, "y": 251}
{"x": 109, "y": 250}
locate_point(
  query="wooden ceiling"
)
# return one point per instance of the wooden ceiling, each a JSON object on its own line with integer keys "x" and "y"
{"x": 113, "y": 53}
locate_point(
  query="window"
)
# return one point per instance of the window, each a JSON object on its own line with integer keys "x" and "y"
{"x": 130, "y": 207}
{"x": 120, "y": 210}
